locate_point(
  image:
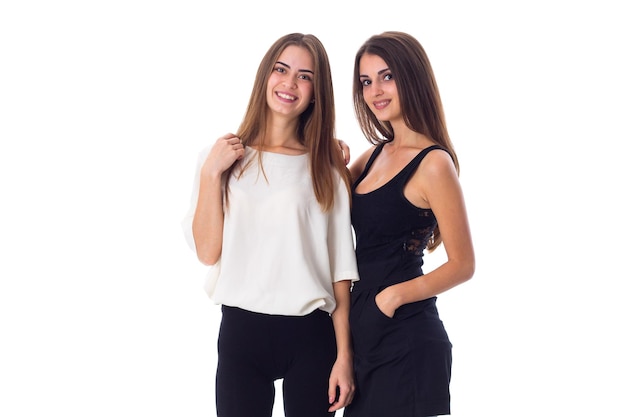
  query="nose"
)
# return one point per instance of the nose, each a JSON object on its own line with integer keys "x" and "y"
{"x": 290, "y": 82}
{"x": 376, "y": 89}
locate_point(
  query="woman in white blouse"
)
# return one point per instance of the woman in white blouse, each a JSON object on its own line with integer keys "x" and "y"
{"x": 270, "y": 216}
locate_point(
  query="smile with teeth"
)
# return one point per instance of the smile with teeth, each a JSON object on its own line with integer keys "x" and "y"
{"x": 381, "y": 104}
{"x": 286, "y": 96}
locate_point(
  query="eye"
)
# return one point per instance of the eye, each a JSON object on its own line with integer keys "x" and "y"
{"x": 305, "y": 77}
{"x": 279, "y": 69}
{"x": 388, "y": 77}
{"x": 365, "y": 83}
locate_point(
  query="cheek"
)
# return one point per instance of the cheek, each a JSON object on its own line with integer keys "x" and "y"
{"x": 367, "y": 97}
{"x": 307, "y": 91}
{"x": 269, "y": 90}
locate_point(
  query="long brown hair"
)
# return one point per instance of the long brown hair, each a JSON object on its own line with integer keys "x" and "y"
{"x": 417, "y": 90}
{"x": 316, "y": 127}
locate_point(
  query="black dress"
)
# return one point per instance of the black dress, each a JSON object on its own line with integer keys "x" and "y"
{"x": 402, "y": 364}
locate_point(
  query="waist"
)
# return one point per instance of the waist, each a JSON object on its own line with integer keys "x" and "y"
{"x": 380, "y": 284}
{"x": 384, "y": 275}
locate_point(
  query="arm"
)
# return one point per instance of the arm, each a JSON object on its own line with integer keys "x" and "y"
{"x": 357, "y": 167}
{"x": 208, "y": 219}
{"x": 341, "y": 375}
{"x": 437, "y": 182}
{"x": 343, "y": 271}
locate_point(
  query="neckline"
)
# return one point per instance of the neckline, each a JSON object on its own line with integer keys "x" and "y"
{"x": 369, "y": 164}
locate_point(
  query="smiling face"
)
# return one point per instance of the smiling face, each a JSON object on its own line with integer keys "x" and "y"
{"x": 290, "y": 85}
{"x": 379, "y": 88}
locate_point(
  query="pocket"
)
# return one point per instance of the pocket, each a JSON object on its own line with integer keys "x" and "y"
{"x": 378, "y": 312}
{"x": 376, "y": 336}
{"x": 369, "y": 324}
{"x": 418, "y": 308}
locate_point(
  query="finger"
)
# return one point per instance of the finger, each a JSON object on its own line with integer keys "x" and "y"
{"x": 234, "y": 140}
{"x": 333, "y": 389}
{"x": 342, "y": 401}
{"x": 345, "y": 151}
{"x": 349, "y": 398}
{"x": 337, "y": 406}
{"x": 229, "y": 135}
{"x": 348, "y": 393}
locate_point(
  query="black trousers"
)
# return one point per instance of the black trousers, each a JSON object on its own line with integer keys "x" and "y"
{"x": 255, "y": 350}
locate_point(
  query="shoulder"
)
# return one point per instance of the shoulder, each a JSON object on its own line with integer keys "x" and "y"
{"x": 438, "y": 162}
{"x": 203, "y": 153}
{"x": 357, "y": 167}
{"x": 437, "y": 175}
{"x": 205, "y": 150}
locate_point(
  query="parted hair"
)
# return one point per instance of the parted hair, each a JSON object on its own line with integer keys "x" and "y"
{"x": 316, "y": 127}
{"x": 418, "y": 93}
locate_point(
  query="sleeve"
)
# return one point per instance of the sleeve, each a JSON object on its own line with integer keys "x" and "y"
{"x": 187, "y": 221}
{"x": 340, "y": 238}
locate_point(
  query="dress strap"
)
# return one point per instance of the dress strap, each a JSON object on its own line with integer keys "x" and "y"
{"x": 410, "y": 168}
{"x": 373, "y": 156}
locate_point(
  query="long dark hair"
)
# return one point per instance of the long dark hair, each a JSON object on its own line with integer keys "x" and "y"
{"x": 417, "y": 90}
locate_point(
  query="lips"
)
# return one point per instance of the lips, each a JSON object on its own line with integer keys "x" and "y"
{"x": 381, "y": 104}
{"x": 286, "y": 96}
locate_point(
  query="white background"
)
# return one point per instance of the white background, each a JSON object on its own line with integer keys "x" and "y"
{"x": 105, "y": 105}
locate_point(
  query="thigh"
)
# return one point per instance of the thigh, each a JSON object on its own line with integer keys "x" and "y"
{"x": 305, "y": 385}
{"x": 244, "y": 386}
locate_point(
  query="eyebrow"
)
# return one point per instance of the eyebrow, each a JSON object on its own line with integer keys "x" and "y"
{"x": 288, "y": 66}
{"x": 379, "y": 72}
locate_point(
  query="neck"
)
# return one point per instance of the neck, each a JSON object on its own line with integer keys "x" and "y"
{"x": 280, "y": 135}
{"x": 409, "y": 138}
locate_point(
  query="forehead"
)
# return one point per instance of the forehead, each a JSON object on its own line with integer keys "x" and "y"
{"x": 371, "y": 63}
{"x": 297, "y": 57}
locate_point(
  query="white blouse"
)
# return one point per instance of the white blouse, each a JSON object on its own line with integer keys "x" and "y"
{"x": 280, "y": 252}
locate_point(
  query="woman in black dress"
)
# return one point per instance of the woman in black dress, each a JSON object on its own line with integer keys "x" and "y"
{"x": 406, "y": 199}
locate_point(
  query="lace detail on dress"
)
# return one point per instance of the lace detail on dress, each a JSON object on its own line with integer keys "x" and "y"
{"x": 417, "y": 241}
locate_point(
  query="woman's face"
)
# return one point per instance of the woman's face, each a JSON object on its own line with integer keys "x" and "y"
{"x": 290, "y": 85}
{"x": 379, "y": 88}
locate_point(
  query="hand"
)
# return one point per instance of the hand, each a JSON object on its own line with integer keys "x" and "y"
{"x": 224, "y": 153}
{"x": 385, "y": 303}
{"x": 345, "y": 150}
{"x": 341, "y": 385}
